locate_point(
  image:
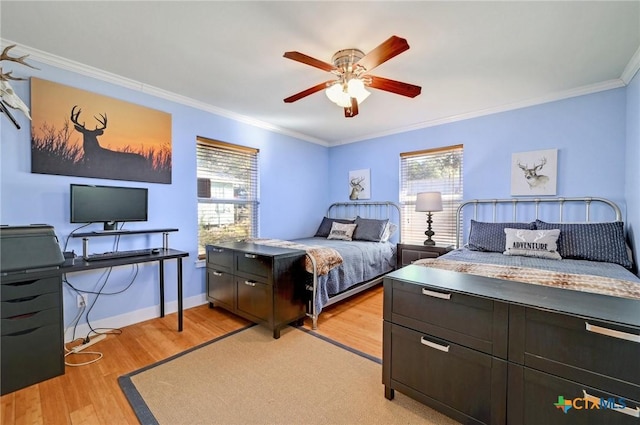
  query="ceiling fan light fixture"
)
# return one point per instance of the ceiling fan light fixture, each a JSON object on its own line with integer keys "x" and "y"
{"x": 356, "y": 89}
{"x": 341, "y": 94}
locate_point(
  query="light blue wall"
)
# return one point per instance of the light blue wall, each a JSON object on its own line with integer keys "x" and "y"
{"x": 633, "y": 162}
{"x": 294, "y": 194}
{"x": 595, "y": 135}
{"x": 588, "y": 131}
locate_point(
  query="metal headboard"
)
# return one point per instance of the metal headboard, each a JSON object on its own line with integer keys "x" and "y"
{"x": 535, "y": 203}
{"x": 377, "y": 210}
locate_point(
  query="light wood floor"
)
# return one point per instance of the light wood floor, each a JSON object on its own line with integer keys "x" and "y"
{"x": 90, "y": 394}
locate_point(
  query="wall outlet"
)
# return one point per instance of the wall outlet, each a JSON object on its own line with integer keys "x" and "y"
{"x": 82, "y": 300}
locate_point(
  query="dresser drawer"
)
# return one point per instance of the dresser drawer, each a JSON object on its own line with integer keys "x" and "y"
{"x": 27, "y": 288}
{"x": 31, "y": 304}
{"x": 219, "y": 257}
{"x": 470, "y": 382}
{"x": 31, "y": 356}
{"x": 599, "y": 354}
{"x": 221, "y": 288}
{"x": 474, "y": 322}
{"x": 30, "y": 321}
{"x": 254, "y": 265}
{"x": 546, "y": 399}
{"x": 254, "y": 299}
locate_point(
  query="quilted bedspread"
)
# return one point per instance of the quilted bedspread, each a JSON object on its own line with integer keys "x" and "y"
{"x": 559, "y": 279}
{"x": 326, "y": 257}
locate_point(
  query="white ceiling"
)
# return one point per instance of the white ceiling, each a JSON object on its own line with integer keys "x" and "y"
{"x": 471, "y": 58}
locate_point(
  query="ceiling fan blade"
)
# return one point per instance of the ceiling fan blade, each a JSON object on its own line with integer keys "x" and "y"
{"x": 351, "y": 111}
{"x": 390, "y": 48}
{"x": 307, "y": 92}
{"x": 301, "y": 57}
{"x": 393, "y": 86}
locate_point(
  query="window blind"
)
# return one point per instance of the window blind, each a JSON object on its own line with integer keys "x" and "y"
{"x": 227, "y": 192}
{"x": 435, "y": 170}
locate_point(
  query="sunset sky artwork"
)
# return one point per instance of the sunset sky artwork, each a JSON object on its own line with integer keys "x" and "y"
{"x": 131, "y": 125}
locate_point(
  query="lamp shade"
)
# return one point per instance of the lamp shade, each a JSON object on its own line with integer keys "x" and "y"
{"x": 429, "y": 201}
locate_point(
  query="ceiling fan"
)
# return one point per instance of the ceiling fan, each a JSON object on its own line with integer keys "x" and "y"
{"x": 352, "y": 68}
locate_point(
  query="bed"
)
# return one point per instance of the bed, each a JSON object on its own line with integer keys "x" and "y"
{"x": 362, "y": 262}
{"x": 513, "y": 324}
{"x": 583, "y": 244}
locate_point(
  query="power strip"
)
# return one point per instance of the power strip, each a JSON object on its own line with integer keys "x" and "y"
{"x": 92, "y": 341}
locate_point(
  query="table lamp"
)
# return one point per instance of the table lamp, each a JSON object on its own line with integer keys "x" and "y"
{"x": 429, "y": 202}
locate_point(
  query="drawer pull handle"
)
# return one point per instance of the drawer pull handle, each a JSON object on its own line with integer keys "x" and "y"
{"x": 250, "y": 255}
{"x": 436, "y": 294}
{"x": 217, "y": 249}
{"x": 249, "y": 283}
{"x": 217, "y": 273}
{"x": 635, "y": 412}
{"x": 611, "y": 332}
{"x": 443, "y": 348}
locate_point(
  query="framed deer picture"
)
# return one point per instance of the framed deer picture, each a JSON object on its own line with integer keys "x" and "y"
{"x": 78, "y": 133}
{"x": 534, "y": 173}
{"x": 359, "y": 184}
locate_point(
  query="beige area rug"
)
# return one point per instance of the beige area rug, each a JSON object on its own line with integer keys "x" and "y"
{"x": 248, "y": 377}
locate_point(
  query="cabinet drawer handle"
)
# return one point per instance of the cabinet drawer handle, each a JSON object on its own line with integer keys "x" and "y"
{"x": 444, "y": 348}
{"x": 217, "y": 273}
{"x": 217, "y": 249}
{"x": 250, "y": 255}
{"x": 611, "y": 332}
{"x": 436, "y": 294}
{"x": 635, "y": 412}
{"x": 249, "y": 283}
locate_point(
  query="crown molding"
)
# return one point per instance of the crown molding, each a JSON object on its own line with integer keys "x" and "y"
{"x": 89, "y": 71}
{"x": 632, "y": 68}
{"x": 66, "y": 64}
{"x": 579, "y": 91}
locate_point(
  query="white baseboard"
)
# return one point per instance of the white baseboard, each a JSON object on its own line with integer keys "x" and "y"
{"x": 137, "y": 316}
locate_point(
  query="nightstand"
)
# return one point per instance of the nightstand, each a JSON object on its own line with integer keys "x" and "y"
{"x": 407, "y": 253}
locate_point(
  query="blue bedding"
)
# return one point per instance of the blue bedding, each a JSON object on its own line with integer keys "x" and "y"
{"x": 362, "y": 261}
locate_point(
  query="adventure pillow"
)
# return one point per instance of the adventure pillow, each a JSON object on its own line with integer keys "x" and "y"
{"x": 533, "y": 243}
{"x": 341, "y": 231}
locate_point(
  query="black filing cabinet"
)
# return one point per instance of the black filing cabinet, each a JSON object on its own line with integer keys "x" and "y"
{"x": 31, "y": 343}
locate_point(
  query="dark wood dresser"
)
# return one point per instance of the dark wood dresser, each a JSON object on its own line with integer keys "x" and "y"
{"x": 261, "y": 283}
{"x": 490, "y": 351}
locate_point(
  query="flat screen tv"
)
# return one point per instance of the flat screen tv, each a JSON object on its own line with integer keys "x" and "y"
{"x": 108, "y": 204}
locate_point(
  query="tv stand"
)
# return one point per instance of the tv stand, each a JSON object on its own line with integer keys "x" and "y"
{"x": 86, "y": 235}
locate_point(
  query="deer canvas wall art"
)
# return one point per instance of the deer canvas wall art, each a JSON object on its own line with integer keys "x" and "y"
{"x": 534, "y": 173}
{"x": 359, "y": 184}
{"x": 84, "y": 134}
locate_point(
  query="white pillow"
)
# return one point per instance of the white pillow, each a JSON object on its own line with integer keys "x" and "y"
{"x": 342, "y": 231}
{"x": 533, "y": 243}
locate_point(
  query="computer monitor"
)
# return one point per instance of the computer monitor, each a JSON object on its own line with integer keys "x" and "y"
{"x": 108, "y": 204}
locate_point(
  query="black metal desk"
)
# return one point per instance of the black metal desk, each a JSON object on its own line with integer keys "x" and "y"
{"x": 80, "y": 265}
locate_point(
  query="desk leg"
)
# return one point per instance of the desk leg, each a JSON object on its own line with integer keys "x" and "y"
{"x": 161, "y": 288}
{"x": 179, "y": 294}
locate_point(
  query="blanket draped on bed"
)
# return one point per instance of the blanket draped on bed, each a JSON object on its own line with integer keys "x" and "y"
{"x": 577, "y": 282}
{"x": 326, "y": 257}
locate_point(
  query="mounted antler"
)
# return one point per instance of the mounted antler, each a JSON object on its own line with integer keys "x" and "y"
{"x": 4, "y": 56}
{"x": 8, "y": 97}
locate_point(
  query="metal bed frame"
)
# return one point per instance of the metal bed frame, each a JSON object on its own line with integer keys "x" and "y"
{"x": 534, "y": 203}
{"x": 377, "y": 210}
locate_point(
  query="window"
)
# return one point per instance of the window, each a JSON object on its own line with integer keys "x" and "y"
{"x": 435, "y": 170}
{"x": 227, "y": 192}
